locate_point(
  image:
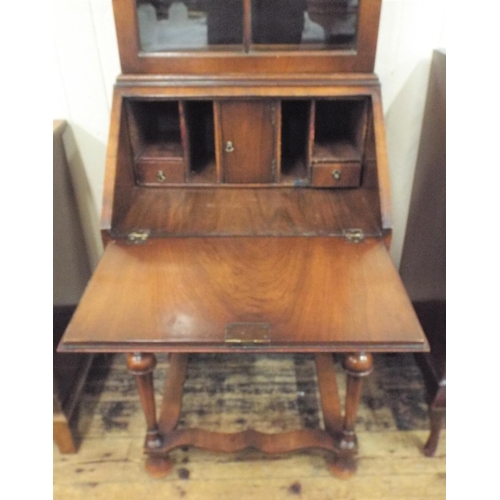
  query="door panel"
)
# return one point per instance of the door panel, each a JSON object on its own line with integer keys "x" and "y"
{"x": 248, "y": 142}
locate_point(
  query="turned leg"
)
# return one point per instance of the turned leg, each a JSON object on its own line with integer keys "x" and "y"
{"x": 141, "y": 365}
{"x": 436, "y": 417}
{"x": 357, "y": 366}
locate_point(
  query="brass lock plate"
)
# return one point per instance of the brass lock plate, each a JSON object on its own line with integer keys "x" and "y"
{"x": 248, "y": 333}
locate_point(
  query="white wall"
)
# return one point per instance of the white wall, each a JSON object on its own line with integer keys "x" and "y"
{"x": 409, "y": 31}
{"x": 86, "y": 64}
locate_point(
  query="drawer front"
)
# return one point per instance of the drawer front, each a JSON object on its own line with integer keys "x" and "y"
{"x": 158, "y": 173}
{"x": 339, "y": 175}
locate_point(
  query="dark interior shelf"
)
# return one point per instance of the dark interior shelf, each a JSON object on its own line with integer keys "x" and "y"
{"x": 339, "y": 150}
{"x": 161, "y": 150}
{"x": 174, "y": 142}
{"x": 295, "y": 119}
{"x": 155, "y": 130}
{"x": 201, "y": 139}
{"x": 339, "y": 130}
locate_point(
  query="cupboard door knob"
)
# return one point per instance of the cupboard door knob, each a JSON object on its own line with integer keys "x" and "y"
{"x": 336, "y": 174}
{"x": 160, "y": 176}
{"x": 229, "y": 147}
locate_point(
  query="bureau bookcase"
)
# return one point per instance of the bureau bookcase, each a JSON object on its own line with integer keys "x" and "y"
{"x": 246, "y": 207}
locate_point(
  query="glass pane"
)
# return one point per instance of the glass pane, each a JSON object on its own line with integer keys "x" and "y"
{"x": 166, "y": 25}
{"x": 328, "y": 24}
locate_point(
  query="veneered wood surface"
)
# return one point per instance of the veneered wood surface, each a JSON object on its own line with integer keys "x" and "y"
{"x": 172, "y": 151}
{"x": 229, "y": 442}
{"x": 234, "y": 61}
{"x": 180, "y": 294}
{"x": 278, "y": 443}
{"x": 335, "y": 151}
{"x": 148, "y": 172}
{"x": 249, "y": 126}
{"x": 323, "y": 174}
{"x": 251, "y": 211}
{"x": 124, "y": 206}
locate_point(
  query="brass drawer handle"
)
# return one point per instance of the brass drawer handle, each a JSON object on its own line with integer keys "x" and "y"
{"x": 229, "y": 147}
{"x": 160, "y": 176}
{"x": 336, "y": 174}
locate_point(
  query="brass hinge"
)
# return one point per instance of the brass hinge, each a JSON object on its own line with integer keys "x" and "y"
{"x": 246, "y": 334}
{"x": 354, "y": 235}
{"x": 138, "y": 237}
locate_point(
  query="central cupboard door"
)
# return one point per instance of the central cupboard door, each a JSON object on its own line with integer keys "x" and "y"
{"x": 248, "y": 141}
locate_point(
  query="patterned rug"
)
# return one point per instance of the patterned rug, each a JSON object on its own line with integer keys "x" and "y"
{"x": 270, "y": 393}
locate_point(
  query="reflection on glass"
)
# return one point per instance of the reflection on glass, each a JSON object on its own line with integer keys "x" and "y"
{"x": 196, "y": 24}
{"x": 294, "y": 22}
{"x": 189, "y": 24}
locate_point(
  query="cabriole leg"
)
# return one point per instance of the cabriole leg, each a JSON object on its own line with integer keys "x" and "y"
{"x": 141, "y": 365}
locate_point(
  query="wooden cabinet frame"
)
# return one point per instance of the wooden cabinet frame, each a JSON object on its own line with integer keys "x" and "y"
{"x": 133, "y": 60}
{"x": 120, "y": 183}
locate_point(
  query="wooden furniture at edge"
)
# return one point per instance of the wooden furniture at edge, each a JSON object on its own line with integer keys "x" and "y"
{"x": 423, "y": 262}
{"x": 71, "y": 272}
{"x": 246, "y": 209}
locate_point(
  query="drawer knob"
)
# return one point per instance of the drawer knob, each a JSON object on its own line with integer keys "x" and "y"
{"x": 160, "y": 176}
{"x": 336, "y": 174}
{"x": 229, "y": 147}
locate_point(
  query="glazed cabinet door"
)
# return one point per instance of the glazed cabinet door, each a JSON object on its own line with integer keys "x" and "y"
{"x": 247, "y": 141}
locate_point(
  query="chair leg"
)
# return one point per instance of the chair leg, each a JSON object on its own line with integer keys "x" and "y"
{"x": 436, "y": 417}
{"x": 63, "y": 436}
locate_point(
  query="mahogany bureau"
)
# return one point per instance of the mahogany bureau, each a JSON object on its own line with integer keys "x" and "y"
{"x": 246, "y": 207}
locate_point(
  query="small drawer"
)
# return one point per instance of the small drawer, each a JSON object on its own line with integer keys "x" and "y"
{"x": 341, "y": 175}
{"x": 159, "y": 172}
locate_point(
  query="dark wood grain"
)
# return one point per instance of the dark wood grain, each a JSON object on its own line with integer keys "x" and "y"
{"x": 251, "y": 212}
{"x": 249, "y": 126}
{"x": 180, "y": 294}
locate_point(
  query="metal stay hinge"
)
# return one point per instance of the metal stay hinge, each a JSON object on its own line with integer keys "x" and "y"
{"x": 138, "y": 237}
{"x": 354, "y": 235}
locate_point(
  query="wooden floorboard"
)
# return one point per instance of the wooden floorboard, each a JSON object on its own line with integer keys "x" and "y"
{"x": 270, "y": 393}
